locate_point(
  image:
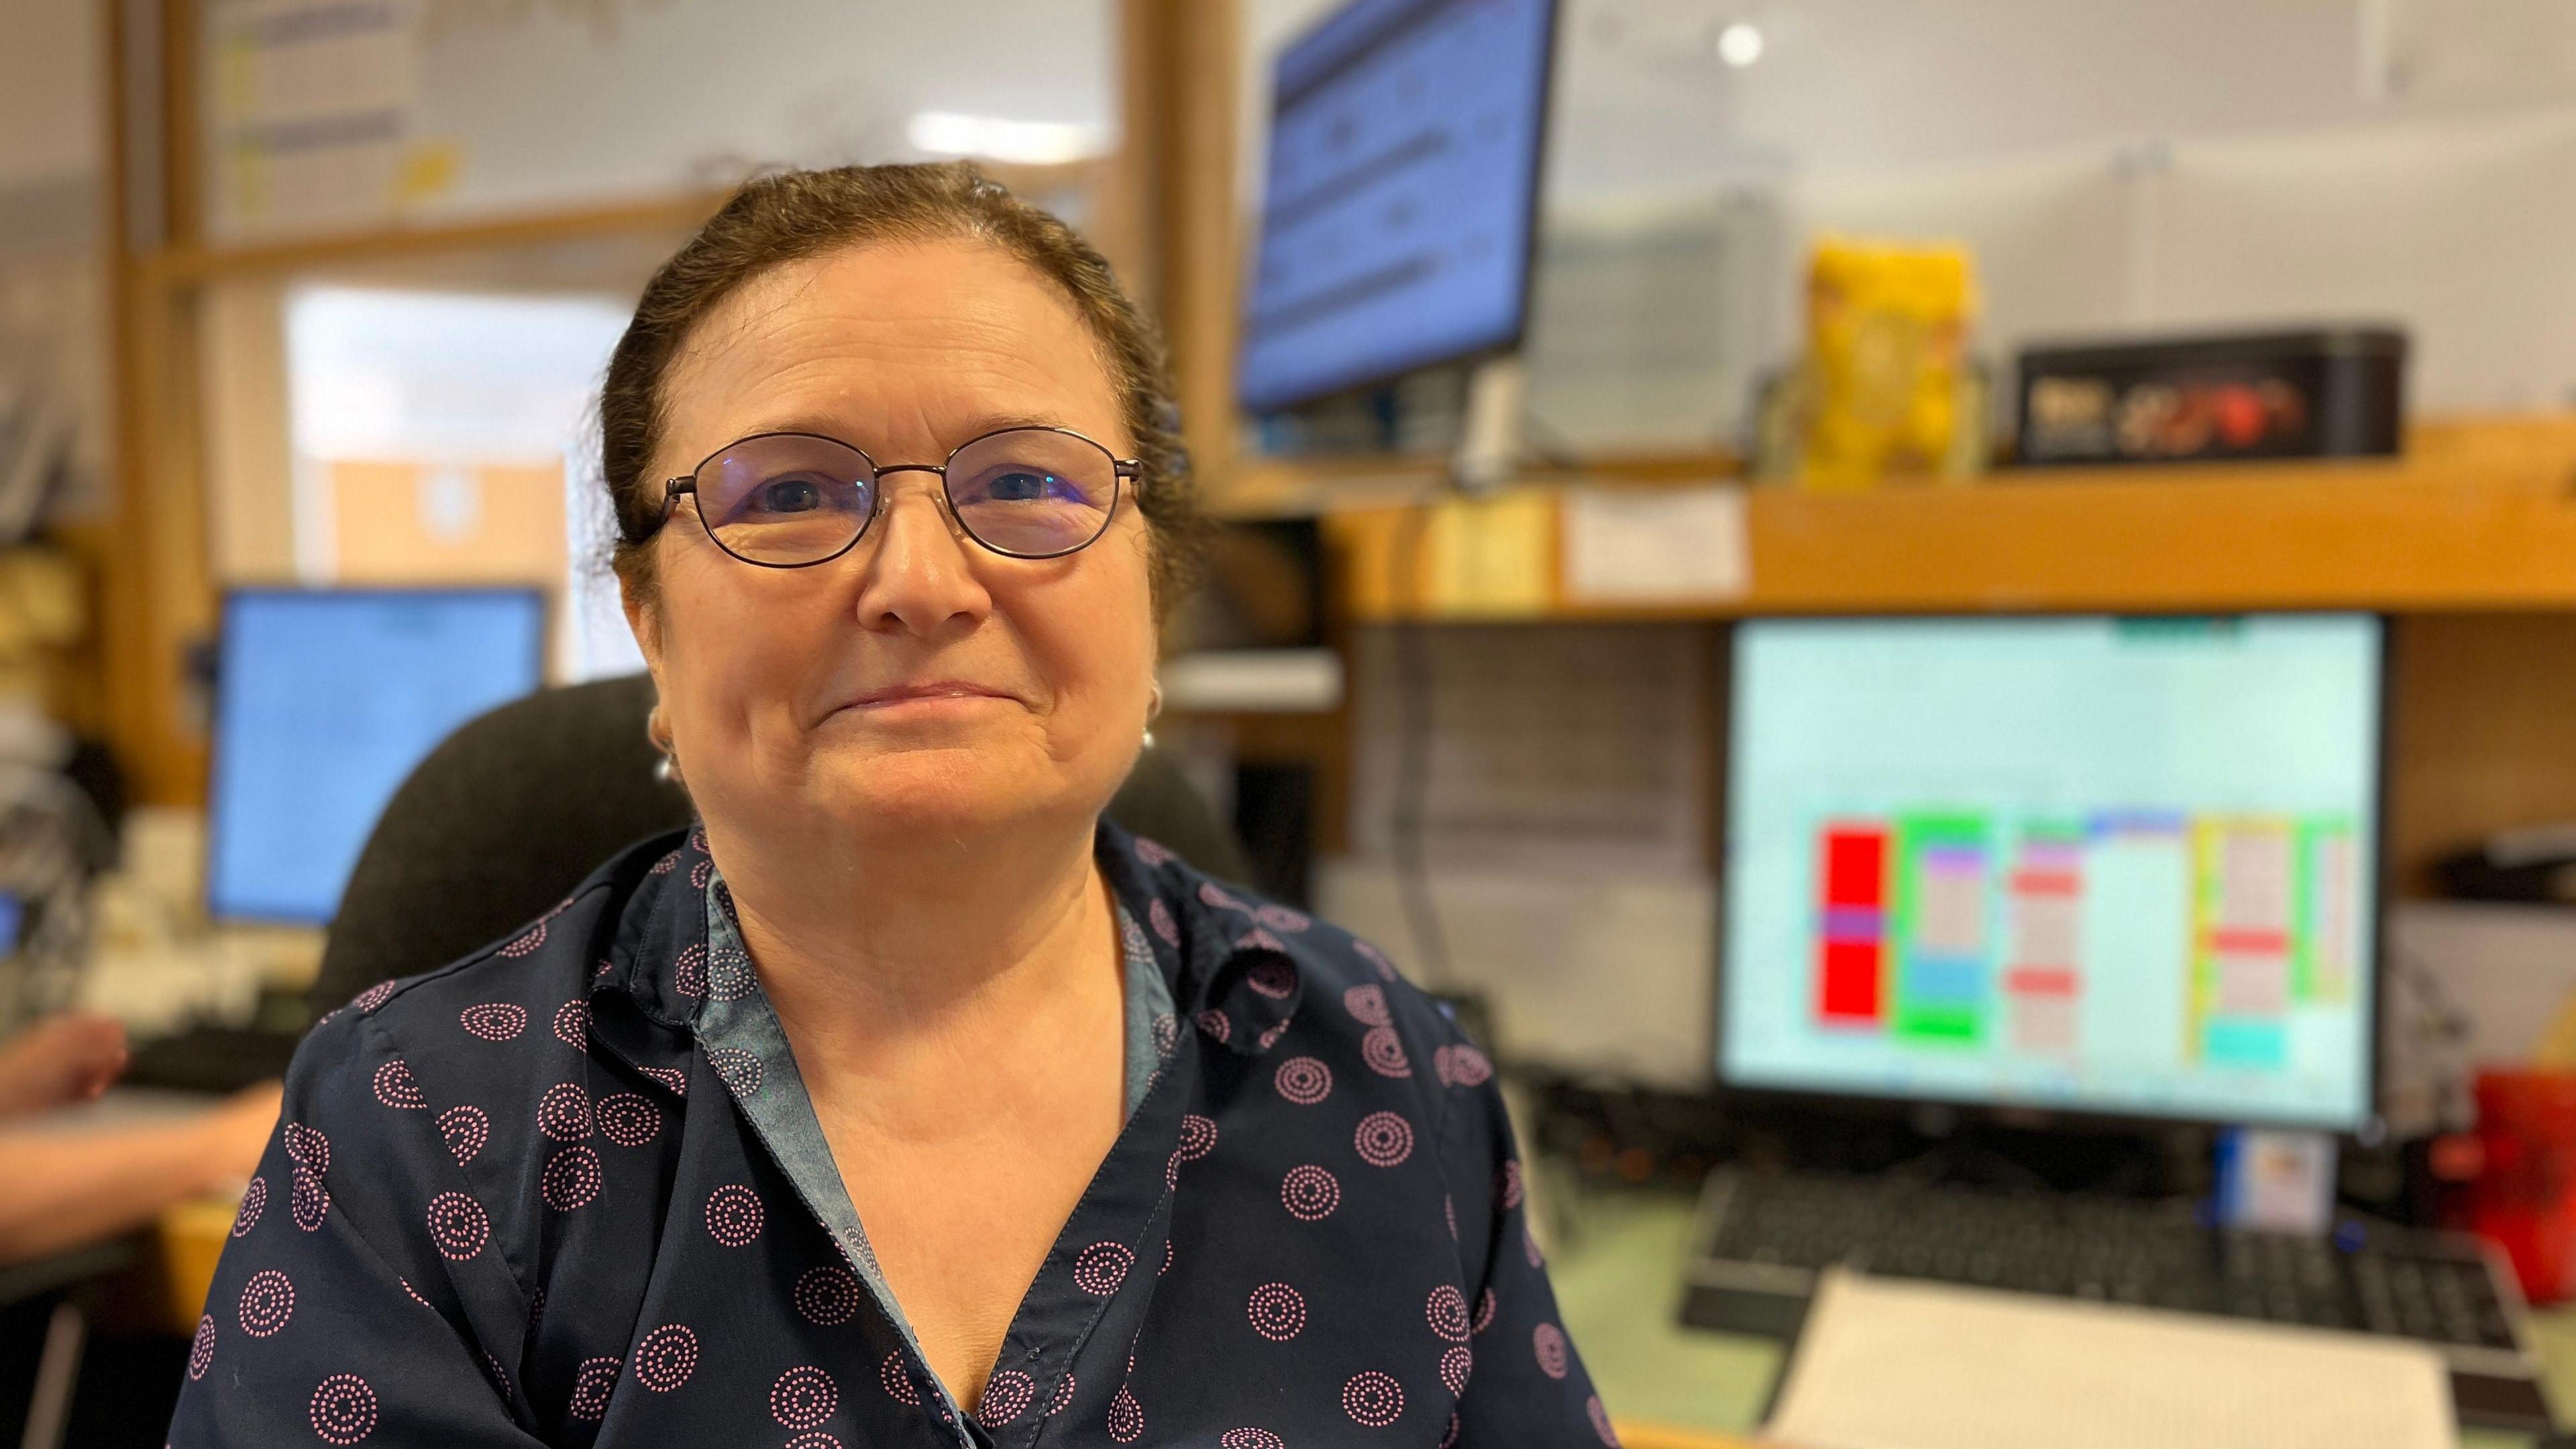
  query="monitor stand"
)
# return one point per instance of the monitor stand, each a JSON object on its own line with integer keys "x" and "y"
{"x": 1489, "y": 436}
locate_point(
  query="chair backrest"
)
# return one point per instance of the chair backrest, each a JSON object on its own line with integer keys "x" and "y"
{"x": 520, "y": 804}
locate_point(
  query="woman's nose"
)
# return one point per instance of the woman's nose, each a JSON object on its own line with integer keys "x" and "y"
{"x": 919, "y": 576}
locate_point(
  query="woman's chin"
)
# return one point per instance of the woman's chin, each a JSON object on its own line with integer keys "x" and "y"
{"x": 958, "y": 789}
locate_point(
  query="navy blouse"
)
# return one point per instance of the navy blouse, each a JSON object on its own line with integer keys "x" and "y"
{"x": 571, "y": 1191}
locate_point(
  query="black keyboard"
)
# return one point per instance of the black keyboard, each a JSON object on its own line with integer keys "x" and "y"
{"x": 1764, "y": 1238}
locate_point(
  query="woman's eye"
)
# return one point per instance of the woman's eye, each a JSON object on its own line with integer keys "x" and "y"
{"x": 788, "y": 495}
{"x": 1019, "y": 487}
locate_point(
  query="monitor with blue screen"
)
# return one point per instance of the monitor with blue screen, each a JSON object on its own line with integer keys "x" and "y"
{"x": 1401, "y": 194}
{"x": 2112, "y": 866}
{"x": 324, "y": 700}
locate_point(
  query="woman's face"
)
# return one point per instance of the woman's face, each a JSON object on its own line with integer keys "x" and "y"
{"x": 919, "y": 681}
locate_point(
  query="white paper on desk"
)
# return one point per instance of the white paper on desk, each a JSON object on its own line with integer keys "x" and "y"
{"x": 1895, "y": 1365}
{"x": 1656, "y": 545}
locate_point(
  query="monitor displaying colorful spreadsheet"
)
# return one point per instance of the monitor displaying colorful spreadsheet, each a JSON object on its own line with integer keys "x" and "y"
{"x": 2122, "y": 866}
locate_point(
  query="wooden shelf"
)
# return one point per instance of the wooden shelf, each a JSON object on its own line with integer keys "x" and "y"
{"x": 2480, "y": 515}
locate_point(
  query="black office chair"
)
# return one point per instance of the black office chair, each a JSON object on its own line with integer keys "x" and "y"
{"x": 513, "y": 810}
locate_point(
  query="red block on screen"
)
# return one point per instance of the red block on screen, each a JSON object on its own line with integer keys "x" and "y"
{"x": 1856, "y": 866}
{"x": 1847, "y": 986}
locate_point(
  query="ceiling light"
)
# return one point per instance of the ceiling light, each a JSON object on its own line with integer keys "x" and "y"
{"x": 1740, "y": 44}
{"x": 1032, "y": 143}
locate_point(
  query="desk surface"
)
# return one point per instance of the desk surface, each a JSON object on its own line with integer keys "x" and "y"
{"x": 1618, "y": 1276}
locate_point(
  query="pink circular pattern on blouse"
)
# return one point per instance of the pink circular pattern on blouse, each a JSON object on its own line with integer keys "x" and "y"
{"x": 803, "y": 1397}
{"x": 898, "y": 1384}
{"x": 701, "y": 873}
{"x": 343, "y": 1410}
{"x": 571, "y": 1179}
{"x": 572, "y": 1025}
{"x": 1309, "y": 1193}
{"x": 1373, "y": 1399}
{"x": 1303, "y": 1080}
{"x": 1455, "y": 1364}
{"x": 1446, "y": 1311}
{"x": 1100, "y": 1268}
{"x": 1383, "y": 1139}
{"x": 1006, "y": 1395}
{"x": 1277, "y": 1311}
{"x": 1507, "y": 1185}
{"x": 1159, "y": 916}
{"x": 495, "y": 1020}
{"x": 1063, "y": 1399}
{"x": 1375, "y": 958}
{"x": 1167, "y": 1033}
{"x": 526, "y": 944}
{"x": 1383, "y": 1050}
{"x": 307, "y": 1148}
{"x": 1461, "y": 1066}
{"x": 729, "y": 974}
{"x": 563, "y": 1113}
{"x": 1167, "y": 1259}
{"x": 458, "y": 1225}
{"x": 1548, "y": 1342}
{"x": 1214, "y": 1023}
{"x": 816, "y": 1440}
{"x": 1198, "y": 1136}
{"x": 1367, "y": 1005}
{"x": 666, "y": 864}
{"x": 201, "y": 1349}
{"x": 736, "y": 1068}
{"x": 254, "y": 1197}
{"x": 734, "y": 1216}
{"x": 689, "y": 972}
{"x": 1209, "y": 893}
{"x": 1152, "y": 852}
{"x": 1270, "y": 1038}
{"x": 308, "y": 1201}
{"x": 1601, "y": 1421}
{"x": 267, "y": 1301}
{"x": 373, "y": 997}
{"x": 698, "y": 839}
{"x": 1274, "y": 979}
{"x": 666, "y": 1357}
{"x": 466, "y": 1130}
{"x": 627, "y": 1119}
{"x": 1485, "y": 1306}
{"x": 1449, "y": 1210}
{"x": 591, "y": 1386}
{"x": 395, "y": 1088}
{"x": 1126, "y": 1417}
{"x": 414, "y": 1294}
{"x": 1280, "y": 918}
{"x": 1250, "y": 1439}
{"x": 827, "y": 1295}
{"x": 671, "y": 1077}
{"x": 1529, "y": 1247}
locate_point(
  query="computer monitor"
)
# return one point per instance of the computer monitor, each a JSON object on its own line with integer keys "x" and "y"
{"x": 2124, "y": 867}
{"x": 324, "y": 700}
{"x": 1402, "y": 195}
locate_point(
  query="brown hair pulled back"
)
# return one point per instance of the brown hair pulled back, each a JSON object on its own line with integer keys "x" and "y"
{"x": 792, "y": 215}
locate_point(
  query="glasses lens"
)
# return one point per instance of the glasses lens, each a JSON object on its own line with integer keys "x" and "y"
{"x": 1033, "y": 491}
{"x": 786, "y": 498}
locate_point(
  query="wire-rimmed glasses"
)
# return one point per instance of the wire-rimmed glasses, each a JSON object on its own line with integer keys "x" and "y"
{"x": 792, "y": 500}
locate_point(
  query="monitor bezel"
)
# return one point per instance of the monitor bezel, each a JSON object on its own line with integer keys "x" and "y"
{"x": 2371, "y": 1128}
{"x": 235, "y": 594}
{"x": 1534, "y": 194}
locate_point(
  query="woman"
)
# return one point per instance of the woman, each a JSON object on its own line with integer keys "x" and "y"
{"x": 905, "y": 1101}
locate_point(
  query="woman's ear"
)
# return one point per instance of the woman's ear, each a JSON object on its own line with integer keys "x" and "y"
{"x": 644, "y": 620}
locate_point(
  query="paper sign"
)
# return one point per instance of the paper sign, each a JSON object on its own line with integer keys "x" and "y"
{"x": 1656, "y": 546}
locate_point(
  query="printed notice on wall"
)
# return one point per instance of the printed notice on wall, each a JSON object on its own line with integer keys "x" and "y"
{"x": 312, "y": 107}
{"x": 1656, "y": 545}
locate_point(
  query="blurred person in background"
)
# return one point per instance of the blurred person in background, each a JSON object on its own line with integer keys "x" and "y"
{"x": 67, "y": 1182}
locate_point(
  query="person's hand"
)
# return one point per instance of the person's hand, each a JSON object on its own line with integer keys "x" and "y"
{"x": 236, "y": 1132}
{"x": 60, "y": 1060}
